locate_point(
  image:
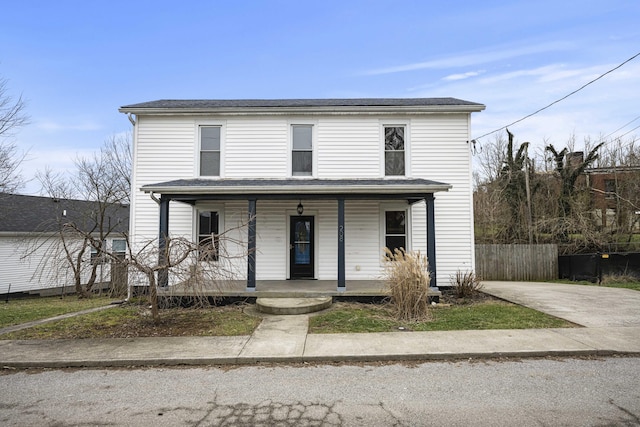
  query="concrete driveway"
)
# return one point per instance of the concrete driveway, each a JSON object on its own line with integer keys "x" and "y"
{"x": 590, "y": 306}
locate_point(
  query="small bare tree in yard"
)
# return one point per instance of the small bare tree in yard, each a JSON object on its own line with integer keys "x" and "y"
{"x": 407, "y": 275}
{"x": 103, "y": 182}
{"x": 197, "y": 271}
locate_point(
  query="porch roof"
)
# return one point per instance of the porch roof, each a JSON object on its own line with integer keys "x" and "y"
{"x": 294, "y": 188}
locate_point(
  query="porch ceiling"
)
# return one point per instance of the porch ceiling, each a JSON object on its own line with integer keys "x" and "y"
{"x": 295, "y": 188}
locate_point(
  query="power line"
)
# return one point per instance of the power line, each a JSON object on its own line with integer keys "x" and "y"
{"x": 626, "y": 133}
{"x": 563, "y": 98}
{"x": 622, "y": 127}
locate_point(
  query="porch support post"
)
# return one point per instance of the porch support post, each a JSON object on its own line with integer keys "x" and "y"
{"x": 163, "y": 274}
{"x": 431, "y": 239}
{"x": 341, "y": 255}
{"x": 251, "y": 247}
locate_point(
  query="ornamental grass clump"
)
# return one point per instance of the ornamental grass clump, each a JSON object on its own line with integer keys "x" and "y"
{"x": 466, "y": 284}
{"x": 407, "y": 276}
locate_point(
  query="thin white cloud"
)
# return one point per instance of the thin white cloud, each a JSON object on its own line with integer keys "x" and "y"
{"x": 53, "y": 126}
{"x": 498, "y": 53}
{"x": 597, "y": 110}
{"x": 548, "y": 73}
{"x": 462, "y": 76}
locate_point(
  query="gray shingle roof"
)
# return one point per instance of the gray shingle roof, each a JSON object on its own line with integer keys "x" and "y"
{"x": 21, "y": 214}
{"x": 188, "y": 104}
{"x": 293, "y": 187}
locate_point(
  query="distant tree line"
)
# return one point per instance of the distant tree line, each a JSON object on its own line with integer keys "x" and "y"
{"x": 549, "y": 196}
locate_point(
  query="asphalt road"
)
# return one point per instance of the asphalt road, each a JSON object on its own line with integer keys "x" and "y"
{"x": 533, "y": 392}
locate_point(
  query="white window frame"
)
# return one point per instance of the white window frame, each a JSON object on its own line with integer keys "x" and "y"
{"x": 124, "y": 253}
{"x": 198, "y": 126}
{"x": 208, "y": 207}
{"x": 314, "y": 148}
{"x": 98, "y": 258}
{"x": 384, "y": 208}
{"x": 407, "y": 147}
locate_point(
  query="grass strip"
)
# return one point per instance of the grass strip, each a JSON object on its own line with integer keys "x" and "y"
{"x": 29, "y": 309}
{"x": 625, "y": 284}
{"x": 377, "y": 318}
{"x": 135, "y": 321}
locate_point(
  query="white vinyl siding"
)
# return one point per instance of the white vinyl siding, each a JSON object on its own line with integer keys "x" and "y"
{"x": 439, "y": 151}
{"x": 348, "y": 148}
{"x": 256, "y": 148}
{"x": 344, "y": 147}
{"x": 164, "y": 150}
{"x": 27, "y": 264}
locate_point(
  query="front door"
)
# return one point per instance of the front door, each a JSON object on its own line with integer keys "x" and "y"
{"x": 301, "y": 247}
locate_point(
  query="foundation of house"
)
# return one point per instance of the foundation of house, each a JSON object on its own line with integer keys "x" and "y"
{"x": 285, "y": 289}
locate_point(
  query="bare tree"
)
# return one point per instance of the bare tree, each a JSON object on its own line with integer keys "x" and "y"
{"x": 12, "y": 117}
{"x": 619, "y": 163}
{"x": 103, "y": 181}
{"x": 490, "y": 160}
{"x": 197, "y": 270}
{"x": 513, "y": 180}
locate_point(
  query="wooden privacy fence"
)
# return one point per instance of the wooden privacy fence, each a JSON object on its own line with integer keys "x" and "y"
{"x": 517, "y": 262}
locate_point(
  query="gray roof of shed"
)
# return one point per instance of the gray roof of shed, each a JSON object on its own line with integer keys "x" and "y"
{"x": 28, "y": 214}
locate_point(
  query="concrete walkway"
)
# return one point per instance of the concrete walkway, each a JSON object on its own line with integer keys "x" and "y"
{"x": 612, "y": 327}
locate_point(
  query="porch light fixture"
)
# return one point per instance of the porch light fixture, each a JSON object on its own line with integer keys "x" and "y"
{"x": 300, "y": 208}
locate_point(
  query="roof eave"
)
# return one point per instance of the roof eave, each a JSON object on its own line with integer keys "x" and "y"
{"x": 303, "y": 189}
{"x": 335, "y": 110}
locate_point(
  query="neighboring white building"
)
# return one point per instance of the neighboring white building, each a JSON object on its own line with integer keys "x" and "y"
{"x": 325, "y": 184}
{"x": 31, "y": 253}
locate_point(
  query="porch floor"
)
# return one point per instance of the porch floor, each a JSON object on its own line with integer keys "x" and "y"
{"x": 285, "y": 289}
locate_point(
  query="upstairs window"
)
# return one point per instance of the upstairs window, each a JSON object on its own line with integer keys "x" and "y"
{"x": 395, "y": 230}
{"x": 210, "y": 151}
{"x": 394, "y": 145}
{"x": 208, "y": 236}
{"x": 302, "y": 150}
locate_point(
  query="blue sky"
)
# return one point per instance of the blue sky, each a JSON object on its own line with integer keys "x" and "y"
{"x": 76, "y": 62}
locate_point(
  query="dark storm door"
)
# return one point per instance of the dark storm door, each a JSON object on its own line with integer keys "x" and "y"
{"x": 301, "y": 248}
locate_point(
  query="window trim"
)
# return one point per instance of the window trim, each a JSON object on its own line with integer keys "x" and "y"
{"x": 407, "y": 147}
{"x": 207, "y": 207}
{"x": 198, "y": 143}
{"x": 314, "y": 148}
{"x": 96, "y": 257}
{"x": 384, "y": 208}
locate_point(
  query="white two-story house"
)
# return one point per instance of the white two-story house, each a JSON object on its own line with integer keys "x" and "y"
{"x": 321, "y": 185}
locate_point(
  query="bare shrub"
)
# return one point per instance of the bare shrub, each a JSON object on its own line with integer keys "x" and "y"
{"x": 407, "y": 276}
{"x": 465, "y": 284}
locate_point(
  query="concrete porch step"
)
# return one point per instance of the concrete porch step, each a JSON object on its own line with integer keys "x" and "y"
{"x": 292, "y": 305}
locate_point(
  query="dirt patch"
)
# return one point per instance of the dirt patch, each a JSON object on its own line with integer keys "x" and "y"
{"x": 449, "y": 297}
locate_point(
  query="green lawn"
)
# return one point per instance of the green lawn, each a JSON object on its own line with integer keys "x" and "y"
{"x": 28, "y": 309}
{"x": 135, "y": 321}
{"x": 353, "y": 318}
{"x": 608, "y": 283}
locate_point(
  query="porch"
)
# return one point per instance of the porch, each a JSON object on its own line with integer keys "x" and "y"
{"x": 286, "y": 289}
{"x": 258, "y": 191}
